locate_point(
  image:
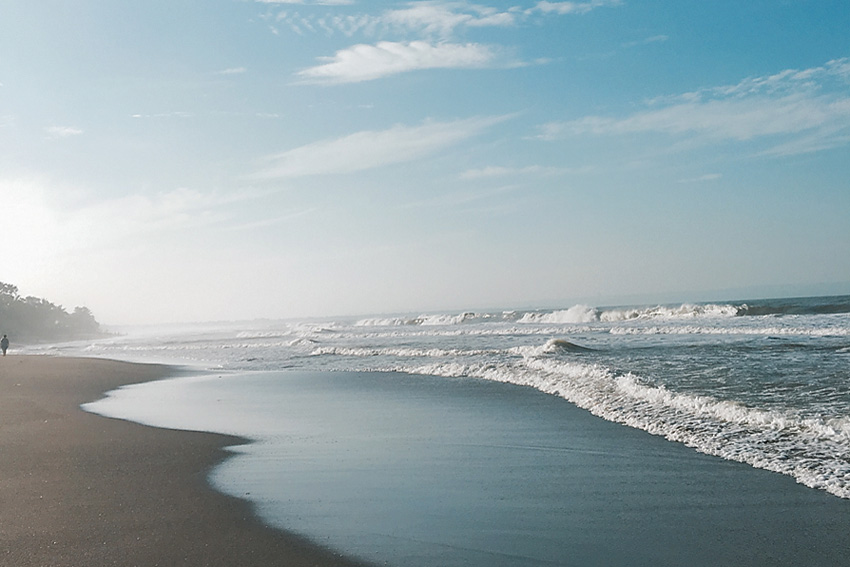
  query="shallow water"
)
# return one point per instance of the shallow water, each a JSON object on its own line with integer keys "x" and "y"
{"x": 464, "y": 450}
{"x": 418, "y": 471}
{"x": 766, "y": 382}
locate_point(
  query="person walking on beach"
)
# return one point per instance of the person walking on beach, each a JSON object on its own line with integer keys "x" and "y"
{"x": 4, "y": 344}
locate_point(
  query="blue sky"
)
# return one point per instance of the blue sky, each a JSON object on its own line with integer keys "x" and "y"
{"x": 226, "y": 159}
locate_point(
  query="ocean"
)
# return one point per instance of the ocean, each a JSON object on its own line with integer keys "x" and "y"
{"x": 342, "y": 409}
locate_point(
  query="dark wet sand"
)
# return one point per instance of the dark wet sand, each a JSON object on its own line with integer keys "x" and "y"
{"x": 77, "y": 489}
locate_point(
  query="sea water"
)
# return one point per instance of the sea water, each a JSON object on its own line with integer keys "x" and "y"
{"x": 766, "y": 383}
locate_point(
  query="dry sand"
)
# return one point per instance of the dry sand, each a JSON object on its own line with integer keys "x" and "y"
{"x": 79, "y": 490}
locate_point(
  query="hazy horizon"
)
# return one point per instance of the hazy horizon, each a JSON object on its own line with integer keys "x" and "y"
{"x": 181, "y": 161}
{"x": 720, "y": 298}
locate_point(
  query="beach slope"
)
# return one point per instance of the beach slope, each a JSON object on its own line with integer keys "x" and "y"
{"x": 80, "y": 489}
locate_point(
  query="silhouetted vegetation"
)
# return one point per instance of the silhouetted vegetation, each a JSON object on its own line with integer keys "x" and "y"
{"x": 36, "y": 319}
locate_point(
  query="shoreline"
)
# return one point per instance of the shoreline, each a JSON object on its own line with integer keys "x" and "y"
{"x": 470, "y": 472}
{"x": 77, "y": 488}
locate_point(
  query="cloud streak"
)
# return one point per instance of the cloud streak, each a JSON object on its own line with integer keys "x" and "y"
{"x": 435, "y": 25}
{"x": 372, "y": 149}
{"x": 232, "y": 71}
{"x": 432, "y": 19}
{"x": 563, "y": 8}
{"x": 57, "y": 132}
{"x": 444, "y": 18}
{"x": 370, "y": 62}
{"x": 790, "y": 103}
{"x": 495, "y": 171}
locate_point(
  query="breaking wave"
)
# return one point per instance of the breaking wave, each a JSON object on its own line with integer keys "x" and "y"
{"x": 813, "y": 451}
{"x": 755, "y": 413}
{"x": 584, "y": 314}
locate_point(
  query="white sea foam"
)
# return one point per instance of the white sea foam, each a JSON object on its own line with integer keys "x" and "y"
{"x": 271, "y": 334}
{"x": 783, "y": 415}
{"x": 587, "y": 314}
{"x": 422, "y": 320}
{"x": 739, "y": 330}
{"x": 813, "y": 451}
{"x": 575, "y": 314}
{"x": 385, "y": 322}
{"x": 685, "y": 311}
{"x": 398, "y": 352}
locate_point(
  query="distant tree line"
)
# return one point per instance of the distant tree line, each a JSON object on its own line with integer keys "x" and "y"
{"x": 36, "y": 319}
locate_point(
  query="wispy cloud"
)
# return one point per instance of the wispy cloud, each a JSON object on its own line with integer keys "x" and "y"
{"x": 232, "y": 71}
{"x": 501, "y": 171}
{"x": 329, "y": 24}
{"x": 444, "y": 18}
{"x": 434, "y": 25}
{"x": 834, "y": 74}
{"x": 792, "y": 102}
{"x": 175, "y": 114}
{"x": 647, "y": 41}
{"x": 428, "y": 18}
{"x": 369, "y": 62}
{"x": 741, "y": 119}
{"x": 274, "y": 221}
{"x": 702, "y": 178}
{"x": 562, "y": 8}
{"x": 57, "y": 132}
{"x": 371, "y": 149}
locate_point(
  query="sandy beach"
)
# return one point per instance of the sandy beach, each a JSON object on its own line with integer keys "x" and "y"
{"x": 79, "y": 489}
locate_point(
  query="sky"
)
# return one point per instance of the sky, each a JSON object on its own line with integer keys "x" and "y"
{"x": 200, "y": 160}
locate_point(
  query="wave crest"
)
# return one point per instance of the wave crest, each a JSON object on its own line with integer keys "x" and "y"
{"x": 587, "y": 314}
{"x": 813, "y": 451}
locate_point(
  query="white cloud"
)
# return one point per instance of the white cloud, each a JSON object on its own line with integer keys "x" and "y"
{"x": 232, "y": 71}
{"x": 739, "y": 119}
{"x": 443, "y": 18}
{"x": 790, "y": 103}
{"x": 371, "y": 149}
{"x": 429, "y": 18}
{"x": 176, "y": 114}
{"x": 562, "y": 8}
{"x": 56, "y": 132}
{"x": 347, "y": 25}
{"x": 790, "y": 81}
{"x": 436, "y": 23}
{"x": 369, "y": 62}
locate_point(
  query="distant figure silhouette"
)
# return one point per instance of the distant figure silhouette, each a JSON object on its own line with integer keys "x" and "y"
{"x": 4, "y": 344}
